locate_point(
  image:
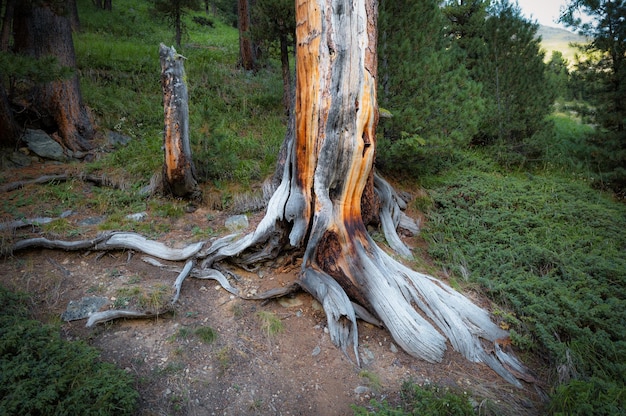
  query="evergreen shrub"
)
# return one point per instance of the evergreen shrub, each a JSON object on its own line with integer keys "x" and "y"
{"x": 551, "y": 249}
{"x": 41, "y": 374}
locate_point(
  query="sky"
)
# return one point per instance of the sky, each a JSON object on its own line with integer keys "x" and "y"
{"x": 546, "y": 12}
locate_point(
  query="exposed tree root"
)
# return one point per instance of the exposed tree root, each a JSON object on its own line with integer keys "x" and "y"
{"x": 410, "y": 305}
{"x": 98, "y": 180}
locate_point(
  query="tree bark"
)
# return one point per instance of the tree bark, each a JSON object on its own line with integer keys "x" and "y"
{"x": 246, "y": 48}
{"x": 7, "y": 25}
{"x": 9, "y": 130}
{"x": 72, "y": 13}
{"x": 40, "y": 32}
{"x": 178, "y": 172}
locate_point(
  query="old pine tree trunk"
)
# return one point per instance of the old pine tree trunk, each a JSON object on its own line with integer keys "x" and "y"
{"x": 179, "y": 177}
{"x": 41, "y": 30}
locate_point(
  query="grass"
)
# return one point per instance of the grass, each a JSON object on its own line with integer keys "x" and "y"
{"x": 428, "y": 399}
{"x": 270, "y": 323}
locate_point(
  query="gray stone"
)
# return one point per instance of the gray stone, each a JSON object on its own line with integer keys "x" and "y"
{"x": 367, "y": 356}
{"x": 115, "y": 139}
{"x": 92, "y": 221}
{"x": 139, "y": 216}
{"x": 361, "y": 389}
{"x": 19, "y": 160}
{"x": 237, "y": 223}
{"x": 316, "y": 351}
{"x": 83, "y": 308}
{"x": 41, "y": 144}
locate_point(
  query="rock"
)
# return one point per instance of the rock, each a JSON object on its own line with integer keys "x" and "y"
{"x": 40, "y": 143}
{"x": 361, "y": 389}
{"x": 367, "y": 356}
{"x": 286, "y": 302}
{"x": 115, "y": 139}
{"x": 139, "y": 216}
{"x": 19, "y": 160}
{"x": 92, "y": 221}
{"x": 316, "y": 351}
{"x": 236, "y": 223}
{"x": 83, "y": 308}
{"x": 393, "y": 348}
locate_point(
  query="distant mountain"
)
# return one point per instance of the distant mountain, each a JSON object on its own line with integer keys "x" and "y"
{"x": 555, "y": 39}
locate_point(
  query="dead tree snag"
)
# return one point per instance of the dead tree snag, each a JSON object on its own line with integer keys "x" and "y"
{"x": 179, "y": 177}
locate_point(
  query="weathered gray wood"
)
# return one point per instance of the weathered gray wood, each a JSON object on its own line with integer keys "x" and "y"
{"x": 105, "y": 316}
{"x": 132, "y": 241}
{"x": 179, "y": 280}
{"x": 115, "y": 241}
{"x": 179, "y": 177}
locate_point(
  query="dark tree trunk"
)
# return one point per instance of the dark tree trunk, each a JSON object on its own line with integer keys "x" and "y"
{"x": 72, "y": 13}
{"x": 40, "y": 32}
{"x": 179, "y": 177}
{"x": 9, "y": 130}
{"x": 108, "y": 5}
{"x": 246, "y": 47}
{"x": 7, "y": 25}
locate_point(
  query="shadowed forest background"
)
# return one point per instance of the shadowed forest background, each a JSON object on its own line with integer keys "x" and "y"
{"x": 514, "y": 158}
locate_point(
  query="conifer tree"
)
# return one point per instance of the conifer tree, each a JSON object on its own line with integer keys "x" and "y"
{"x": 434, "y": 104}
{"x": 603, "y": 71}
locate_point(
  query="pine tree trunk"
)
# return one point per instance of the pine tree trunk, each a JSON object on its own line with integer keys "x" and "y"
{"x": 7, "y": 25}
{"x": 9, "y": 130}
{"x": 246, "y": 48}
{"x": 72, "y": 14}
{"x": 179, "y": 177}
{"x": 40, "y": 32}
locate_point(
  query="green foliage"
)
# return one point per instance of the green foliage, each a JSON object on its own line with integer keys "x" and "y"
{"x": 17, "y": 69}
{"x": 270, "y": 323}
{"x": 552, "y": 250}
{"x": 206, "y": 334}
{"x": 435, "y": 104}
{"x": 417, "y": 400}
{"x": 602, "y": 68}
{"x": 589, "y": 397}
{"x": 42, "y": 374}
{"x": 512, "y": 73}
{"x": 557, "y": 74}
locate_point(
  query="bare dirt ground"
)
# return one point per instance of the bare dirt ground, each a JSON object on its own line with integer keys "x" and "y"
{"x": 246, "y": 369}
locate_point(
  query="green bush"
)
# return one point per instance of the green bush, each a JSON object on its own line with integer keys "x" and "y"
{"x": 429, "y": 399}
{"x": 549, "y": 248}
{"x": 41, "y": 374}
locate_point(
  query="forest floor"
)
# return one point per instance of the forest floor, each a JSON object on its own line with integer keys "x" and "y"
{"x": 247, "y": 369}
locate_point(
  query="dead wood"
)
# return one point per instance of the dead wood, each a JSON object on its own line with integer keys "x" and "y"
{"x": 99, "y": 180}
